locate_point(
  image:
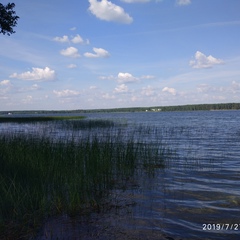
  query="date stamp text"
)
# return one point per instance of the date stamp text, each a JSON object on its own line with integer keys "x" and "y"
{"x": 220, "y": 226}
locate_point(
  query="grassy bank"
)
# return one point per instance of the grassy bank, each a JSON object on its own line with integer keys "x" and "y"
{"x": 42, "y": 176}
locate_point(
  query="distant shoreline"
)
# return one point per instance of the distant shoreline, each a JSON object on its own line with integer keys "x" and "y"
{"x": 192, "y": 107}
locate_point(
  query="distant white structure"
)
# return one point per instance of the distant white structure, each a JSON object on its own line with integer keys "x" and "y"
{"x": 156, "y": 109}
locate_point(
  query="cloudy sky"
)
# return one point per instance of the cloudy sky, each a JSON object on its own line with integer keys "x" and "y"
{"x": 88, "y": 54}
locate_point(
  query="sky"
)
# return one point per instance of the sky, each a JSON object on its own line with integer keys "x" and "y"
{"x": 92, "y": 54}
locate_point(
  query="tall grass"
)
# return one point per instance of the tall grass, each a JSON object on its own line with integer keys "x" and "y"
{"x": 29, "y": 119}
{"x": 41, "y": 176}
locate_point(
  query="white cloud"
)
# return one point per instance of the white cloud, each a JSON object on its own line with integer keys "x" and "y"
{"x": 202, "y": 61}
{"x": 147, "y": 91}
{"x": 183, "y": 2}
{"x": 126, "y": 77}
{"x": 37, "y": 74}
{"x": 5, "y": 86}
{"x": 203, "y": 88}
{"x": 66, "y": 93}
{"x": 111, "y": 77}
{"x": 72, "y": 66}
{"x": 35, "y": 87}
{"x": 121, "y": 88}
{"x": 77, "y": 39}
{"x": 65, "y": 39}
{"x": 108, "y": 96}
{"x": 147, "y": 77}
{"x": 70, "y": 52}
{"x": 135, "y": 1}
{"x": 235, "y": 87}
{"x": 169, "y": 90}
{"x": 99, "y": 53}
{"x": 5, "y": 83}
{"x": 27, "y": 99}
{"x": 61, "y": 39}
{"x": 108, "y": 11}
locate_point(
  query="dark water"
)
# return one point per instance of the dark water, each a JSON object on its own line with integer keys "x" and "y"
{"x": 198, "y": 195}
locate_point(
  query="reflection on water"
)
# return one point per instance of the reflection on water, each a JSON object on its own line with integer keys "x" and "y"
{"x": 199, "y": 186}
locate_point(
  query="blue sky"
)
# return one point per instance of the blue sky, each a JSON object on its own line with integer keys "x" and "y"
{"x": 89, "y": 54}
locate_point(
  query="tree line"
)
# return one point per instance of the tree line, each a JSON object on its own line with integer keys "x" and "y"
{"x": 192, "y": 107}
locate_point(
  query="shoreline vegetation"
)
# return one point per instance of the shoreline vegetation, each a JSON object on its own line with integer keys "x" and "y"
{"x": 192, "y": 107}
{"x": 43, "y": 176}
{"x": 26, "y": 119}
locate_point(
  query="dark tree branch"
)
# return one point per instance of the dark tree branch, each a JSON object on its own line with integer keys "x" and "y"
{"x": 8, "y": 19}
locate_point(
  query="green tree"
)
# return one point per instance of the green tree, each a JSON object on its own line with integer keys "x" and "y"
{"x": 8, "y": 18}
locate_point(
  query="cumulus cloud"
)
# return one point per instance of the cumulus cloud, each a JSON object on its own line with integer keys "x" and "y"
{"x": 37, "y": 74}
{"x": 169, "y": 90}
{"x": 203, "y": 88}
{"x": 108, "y": 11}
{"x": 147, "y": 91}
{"x": 108, "y": 96}
{"x": 135, "y": 1}
{"x": 70, "y": 52}
{"x": 126, "y": 77}
{"x": 121, "y": 88}
{"x": 5, "y": 86}
{"x": 66, "y": 93}
{"x": 99, "y": 53}
{"x": 5, "y": 83}
{"x": 61, "y": 39}
{"x": 183, "y": 2}
{"x": 77, "y": 39}
{"x": 65, "y": 39}
{"x": 202, "y": 61}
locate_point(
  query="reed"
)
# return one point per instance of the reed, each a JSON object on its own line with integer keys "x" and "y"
{"x": 28, "y": 119}
{"x": 42, "y": 176}
{"x": 86, "y": 124}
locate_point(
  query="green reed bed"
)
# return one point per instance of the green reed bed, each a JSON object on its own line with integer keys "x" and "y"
{"x": 87, "y": 124}
{"x": 42, "y": 176}
{"x": 29, "y": 119}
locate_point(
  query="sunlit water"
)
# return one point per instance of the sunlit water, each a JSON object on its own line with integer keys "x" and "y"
{"x": 197, "y": 196}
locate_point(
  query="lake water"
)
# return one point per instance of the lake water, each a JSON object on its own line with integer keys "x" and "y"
{"x": 197, "y": 196}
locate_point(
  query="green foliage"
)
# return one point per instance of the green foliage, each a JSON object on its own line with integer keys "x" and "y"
{"x": 29, "y": 119}
{"x": 192, "y": 107}
{"x": 8, "y": 19}
{"x": 40, "y": 176}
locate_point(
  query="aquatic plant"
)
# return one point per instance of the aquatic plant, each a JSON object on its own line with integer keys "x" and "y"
{"x": 28, "y": 119}
{"x": 41, "y": 176}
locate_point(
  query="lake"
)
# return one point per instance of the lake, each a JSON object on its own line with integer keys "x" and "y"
{"x": 196, "y": 196}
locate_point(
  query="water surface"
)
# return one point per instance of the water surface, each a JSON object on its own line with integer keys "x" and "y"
{"x": 198, "y": 189}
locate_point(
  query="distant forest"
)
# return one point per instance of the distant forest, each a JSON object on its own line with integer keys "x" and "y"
{"x": 195, "y": 107}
